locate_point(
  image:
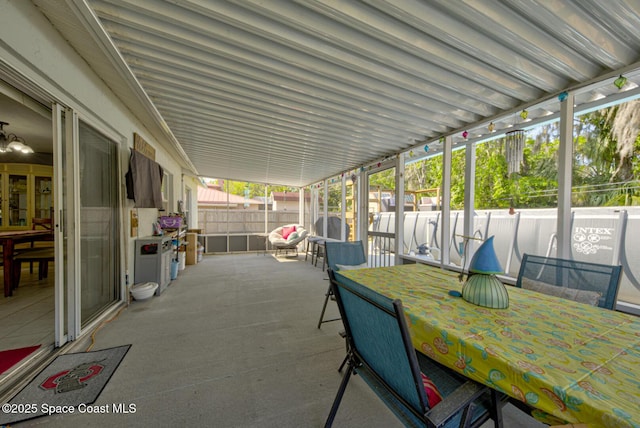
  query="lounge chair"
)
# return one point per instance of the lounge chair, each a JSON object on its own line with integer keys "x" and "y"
{"x": 287, "y": 237}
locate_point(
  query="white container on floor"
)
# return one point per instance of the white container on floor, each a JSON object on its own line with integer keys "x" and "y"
{"x": 144, "y": 290}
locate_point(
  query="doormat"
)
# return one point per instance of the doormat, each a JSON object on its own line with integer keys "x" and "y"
{"x": 13, "y": 356}
{"x": 70, "y": 380}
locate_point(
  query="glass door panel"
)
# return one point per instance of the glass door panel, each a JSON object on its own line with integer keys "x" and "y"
{"x": 18, "y": 200}
{"x": 43, "y": 194}
{"x": 99, "y": 230}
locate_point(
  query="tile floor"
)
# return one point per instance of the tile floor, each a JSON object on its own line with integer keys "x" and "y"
{"x": 27, "y": 317}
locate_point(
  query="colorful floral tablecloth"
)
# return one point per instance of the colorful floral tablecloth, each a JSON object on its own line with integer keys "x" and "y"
{"x": 576, "y": 362}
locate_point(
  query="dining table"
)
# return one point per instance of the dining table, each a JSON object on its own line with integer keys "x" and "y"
{"x": 9, "y": 239}
{"x": 567, "y": 361}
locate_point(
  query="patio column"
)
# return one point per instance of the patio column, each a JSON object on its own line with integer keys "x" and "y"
{"x": 301, "y": 205}
{"x": 469, "y": 200}
{"x": 565, "y": 160}
{"x": 399, "y": 238}
{"x": 343, "y": 210}
{"x": 363, "y": 213}
{"x": 325, "y": 208}
{"x": 445, "y": 223}
{"x": 266, "y": 208}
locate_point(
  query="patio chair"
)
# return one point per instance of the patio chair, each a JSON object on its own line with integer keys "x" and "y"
{"x": 334, "y": 232}
{"x": 591, "y": 283}
{"x": 419, "y": 391}
{"x": 287, "y": 237}
{"x": 341, "y": 254}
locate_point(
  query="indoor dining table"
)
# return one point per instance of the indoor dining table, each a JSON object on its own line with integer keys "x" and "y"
{"x": 8, "y": 240}
{"x": 569, "y": 361}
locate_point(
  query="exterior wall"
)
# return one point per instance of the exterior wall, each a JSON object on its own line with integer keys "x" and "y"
{"x": 34, "y": 49}
{"x": 286, "y": 205}
{"x": 191, "y": 183}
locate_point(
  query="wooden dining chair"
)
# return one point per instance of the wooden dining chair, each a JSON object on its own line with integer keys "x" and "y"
{"x": 44, "y": 223}
{"x": 41, "y": 223}
{"x": 419, "y": 391}
{"x": 591, "y": 283}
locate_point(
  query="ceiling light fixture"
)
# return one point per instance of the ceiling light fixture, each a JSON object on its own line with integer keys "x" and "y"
{"x": 12, "y": 142}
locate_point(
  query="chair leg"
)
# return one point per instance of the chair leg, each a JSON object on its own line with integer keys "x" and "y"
{"x": 496, "y": 408}
{"x": 43, "y": 269}
{"x": 327, "y": 296}
{"x": 320, "y": 253}
{"x": 343, "y": 334}
{"x": 467, "y": 415}
{"x": 338, "y": 399}
{"x": 346, "y": 358}
{"x": 17, "y": 270}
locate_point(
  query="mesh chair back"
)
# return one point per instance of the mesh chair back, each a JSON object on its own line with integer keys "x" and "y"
{"x": 379, "y": 336}
{"x": 574, "y": 275}
{"x": 344, "y": 253}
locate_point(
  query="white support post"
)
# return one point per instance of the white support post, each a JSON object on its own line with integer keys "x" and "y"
{"x": 343, "y": 210}
{"x": 469, "y": 201}
{"x": 301, "y": 205}
{"x": 565, "y": 161}
{"x": 445, "y": 222}
{"x": 266, "y": 208}
{"x": 325, "y": 209}
{"x": 399, "y": 239}
{"x": 314, "y": 208}
{"x": 363, "y": 209}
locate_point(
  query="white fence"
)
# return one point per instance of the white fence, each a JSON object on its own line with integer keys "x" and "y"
{"x": 600, "y": 235}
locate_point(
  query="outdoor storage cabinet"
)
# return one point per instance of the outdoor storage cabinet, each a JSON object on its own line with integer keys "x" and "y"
{"x": 153, "y": 261}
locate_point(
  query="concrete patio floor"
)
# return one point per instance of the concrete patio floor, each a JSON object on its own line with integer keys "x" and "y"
{"x": 233, "y": 343}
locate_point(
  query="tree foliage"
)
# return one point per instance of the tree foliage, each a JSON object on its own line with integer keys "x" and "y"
{"x": 604, "y": 173}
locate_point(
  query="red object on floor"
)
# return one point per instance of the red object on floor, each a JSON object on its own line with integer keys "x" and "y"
{"x": 9, "y": 358}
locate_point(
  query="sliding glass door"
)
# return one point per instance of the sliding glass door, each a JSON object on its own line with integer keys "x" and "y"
{"x": 99, "y": 225}
{"x": 87, "y": 215}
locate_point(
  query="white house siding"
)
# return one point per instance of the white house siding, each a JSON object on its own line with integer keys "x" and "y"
{"x": 32, "y": 47}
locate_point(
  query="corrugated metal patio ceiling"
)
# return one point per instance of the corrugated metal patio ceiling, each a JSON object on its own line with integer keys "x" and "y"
{"x": 292, "y": 92}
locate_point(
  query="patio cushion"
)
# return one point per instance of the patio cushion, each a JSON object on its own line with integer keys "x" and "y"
{"x": 430, "y": 388}
{"x": 583, "y": 296}
{"x": 292, "y": 236}
{"x": 287, "y": 230}
{"x": 351, "y": 267}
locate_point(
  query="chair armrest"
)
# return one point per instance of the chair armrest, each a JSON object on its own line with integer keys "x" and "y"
{"x": 454, "y": 402}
